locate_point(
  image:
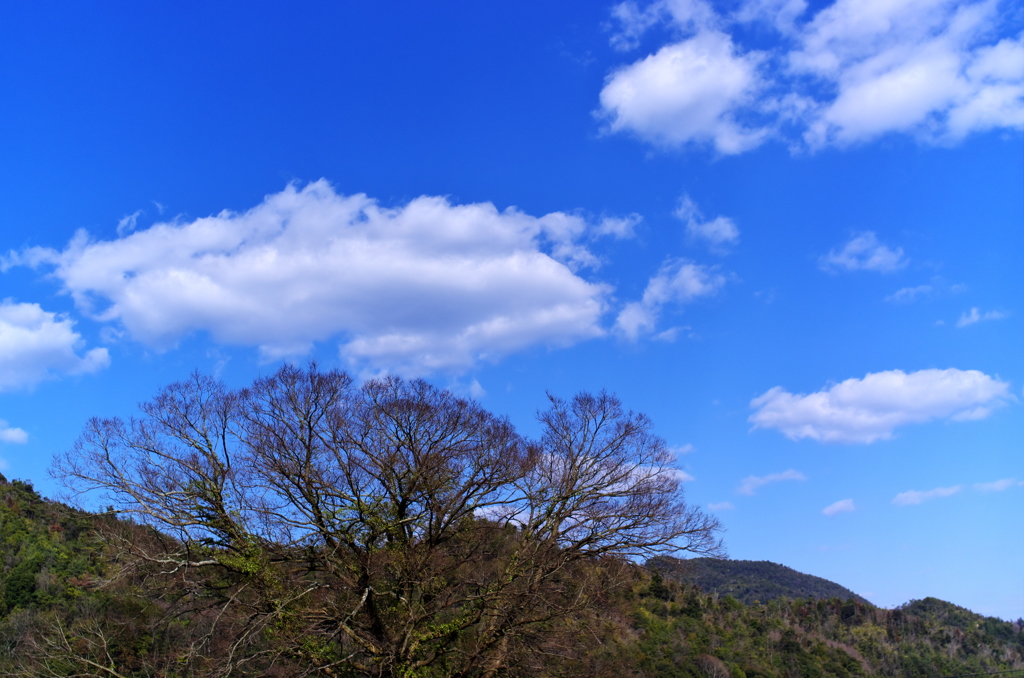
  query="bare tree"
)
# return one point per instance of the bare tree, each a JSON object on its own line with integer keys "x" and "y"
{"x": 391, "y": 529}
{"x": 54, "y": 651}
{"x": 604, "y": 484}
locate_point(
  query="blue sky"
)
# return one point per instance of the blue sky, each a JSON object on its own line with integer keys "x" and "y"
{"x": 791, "y": 232}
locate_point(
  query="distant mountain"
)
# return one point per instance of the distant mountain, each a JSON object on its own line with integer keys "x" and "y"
{"x": 749, "y": 581}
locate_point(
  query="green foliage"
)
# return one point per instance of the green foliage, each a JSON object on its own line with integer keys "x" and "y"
{"x": 749, "y": 581}
{"x": 67, "y": 602}
{"x": 685, "y": 631}
{"x": 46, "y": 547}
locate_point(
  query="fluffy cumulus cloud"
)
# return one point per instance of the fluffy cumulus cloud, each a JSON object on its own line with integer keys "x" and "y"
{"x": 914, "y": 497}
{"x": 677, "y": 282}
{"x": 846, "y": 73}
{"x": 864, "y": 252}
{"x": 417, "y": 288}
{"x": 10, "y": 434}
{"x": 870, "y": 409}
{"x": 929, "y": 67}
{"x": 36, "y": 345}
{"x": 841, "y": 506}
{"x": 686, "y": 92}
{"x": 750, "y": 484}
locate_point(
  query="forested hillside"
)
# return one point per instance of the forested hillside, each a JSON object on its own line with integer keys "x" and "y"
{"x": 749, "y": 581}
{"x": 684, "y": 631}
{"x": 71, "y": 608}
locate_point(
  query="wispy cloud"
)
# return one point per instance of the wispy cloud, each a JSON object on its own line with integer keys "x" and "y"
{"x": 750, "y": 484}
{"x": 680, "y": 475}
{"x": 679, "y": 281}
{"x": 935, "y": 287}
{"x": 721, "y": 506}
{"x": 914, "y": 497}
{"x": 975, "y": 316}
{"x": 869, "y": 409}
{"x": 683, "y": 449}
{"x": 619, "y": 227}
{"x": 128, "y": 223}
{"x": 718, "y": 234}
{"x": 864, "y": 252}
{"x": 841, "y": 506}
{"x": 908, "y": 294}
{"x": 998, "y": 485}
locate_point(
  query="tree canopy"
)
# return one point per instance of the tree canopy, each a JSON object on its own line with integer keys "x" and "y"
{"x": 309, "y": 524}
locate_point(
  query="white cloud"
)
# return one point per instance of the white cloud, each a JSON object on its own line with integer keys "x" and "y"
{"x": 782, "y": 14}
{"x": 422, "y": 287}
{"x": 906, "y": 295}
{"x": 854, "y": 71}
{"x": 869, "y": 409}
{"x": 678, "y": 281}
{"x": 36, "y": 345}
{"x": 476, "y": 391}
{"x": 670, "y": 335}
{"x": 721, "y": 506}
{"x": 914, "y": 497}
{"x": 680, "y": 475}
{"x": 718, "y": 233}
{"x": 619, "y": 227}
{"x": 998, "y": 485}
{"x": 126, "y": 224}
{"x": 9, "y": 434}
{"x": 864, "y": 252}
{"x": 632, "y": 23}
{"x": 473, "y": 389}
{"x": 751, "y": 483}
{"x": 974, "y": 316}
{"x": 996, "y": 78}
{"x": 685, "y": 93}
{"x": 841, "y": 506}
{"x": 923, "y": 67}
{"x": 682, "y": 449}
{"x": 937, "y": 286}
